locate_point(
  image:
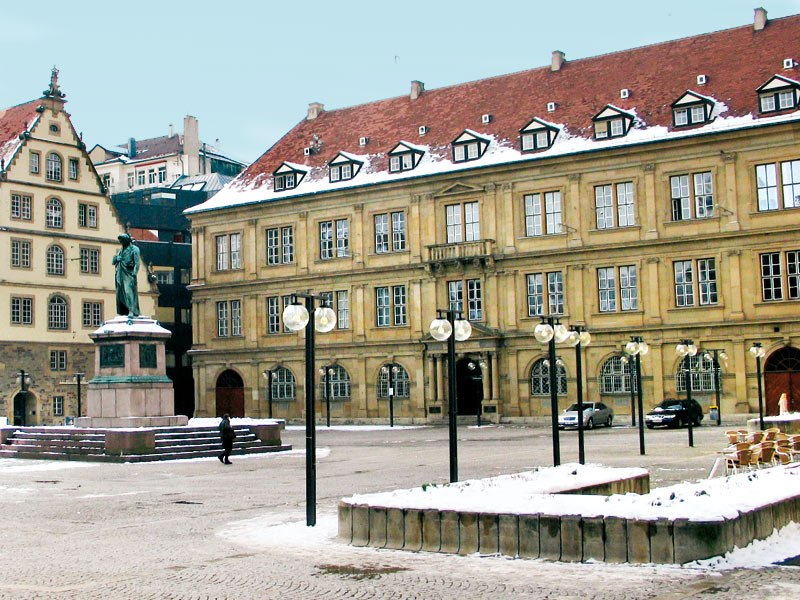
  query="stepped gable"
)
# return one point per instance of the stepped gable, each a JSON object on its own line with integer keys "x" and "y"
{"x": 735, "y": 61}
{"x": 13, "y": 122}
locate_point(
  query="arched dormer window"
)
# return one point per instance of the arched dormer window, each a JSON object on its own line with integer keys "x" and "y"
{"x": 54, "y": 214}
{"x": 55, "y": 260}
{"x": 54, "y": 167}
{"x": 612, "y": 122}
{"x": 288, "y": 176}
{"x": 404, "y": 157}
{"x": 691, "y": 109}
{"x": 537, "y": 135}
{"x": 469, "y": 146}
{"x": 779, "y": 93}
{"x": 57, "y": 314}
{"x": 344, "y": 166}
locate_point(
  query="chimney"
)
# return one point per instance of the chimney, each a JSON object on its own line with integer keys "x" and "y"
{"x": 417, "y": 87}
{"x": 315, "y": 109}
{"x": 191, "y": 144}
{"x": 171, "y": 130}
{"x": 760, "y": 19}
{"x": 131, "y": 148}
{"x": 557, "y": 60}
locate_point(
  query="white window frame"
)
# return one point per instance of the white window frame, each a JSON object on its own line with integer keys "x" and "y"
{"x": 543, "y": 213}
{"x": 21, "y": 310}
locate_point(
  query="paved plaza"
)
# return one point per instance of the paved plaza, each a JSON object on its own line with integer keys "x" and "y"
{"x": 199, "y": 530}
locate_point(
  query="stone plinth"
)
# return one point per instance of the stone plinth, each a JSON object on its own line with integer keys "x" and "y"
{"x": 130, "y": 387}
{"x": 789, "y": 424}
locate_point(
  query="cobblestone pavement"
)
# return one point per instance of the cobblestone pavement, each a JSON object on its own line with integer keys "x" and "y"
{"x": 164, "y": 530}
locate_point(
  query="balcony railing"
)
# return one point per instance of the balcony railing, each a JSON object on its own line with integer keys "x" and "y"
{"x": 460, "y": 252}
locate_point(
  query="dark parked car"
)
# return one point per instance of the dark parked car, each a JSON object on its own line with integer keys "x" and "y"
{"x": 674, "y": 413}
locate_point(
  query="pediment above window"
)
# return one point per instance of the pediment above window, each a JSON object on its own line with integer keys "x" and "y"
{"x": 287, "y": 176}
{"x": 612, "y": 122}
{"x": 469, "y": 146}
{"x": 344, "y": 166}
{"x": 459, "y": 188}
{"x": 692, "y": 109}
{"x": 404, "y": 157}
{"x": 537, "y": 135}
{"x": 778, "y": 93}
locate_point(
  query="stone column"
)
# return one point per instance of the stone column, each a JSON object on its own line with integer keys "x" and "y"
{"x": 648, "y": 202}
{"x": 734, "y": 280}
{"x": 652, "y": 307}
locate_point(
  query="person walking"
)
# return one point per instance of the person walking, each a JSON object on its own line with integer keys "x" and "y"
{"x": 227, "y": 435}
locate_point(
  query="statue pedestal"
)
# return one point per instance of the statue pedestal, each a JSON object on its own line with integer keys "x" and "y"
{"x": 130, "y": 387}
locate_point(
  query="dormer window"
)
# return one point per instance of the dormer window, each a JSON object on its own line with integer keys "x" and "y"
{"x": 404, "y": 157}
{"x": 612, "y": 122}
{"x": 537, "y": 135}
{"x": 469, "y": 146}
{"x": 287, "y": 177}
{"x": 779, "y": 93}
{"x": 691, "y": 109}
{"x": 343, "y": 167}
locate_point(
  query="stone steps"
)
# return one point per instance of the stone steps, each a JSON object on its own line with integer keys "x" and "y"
{"x": 171, "y": 443}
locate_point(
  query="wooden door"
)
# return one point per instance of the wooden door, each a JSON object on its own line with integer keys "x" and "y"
{"x": 230, "y": 394}
{"x": 782, "y": 375}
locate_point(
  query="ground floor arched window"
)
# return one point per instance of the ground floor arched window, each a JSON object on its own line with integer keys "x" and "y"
{"x": 540, "y": 378}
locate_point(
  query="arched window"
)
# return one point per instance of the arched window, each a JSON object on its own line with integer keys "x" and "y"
{"x": 57, "y": 313}
{"x": 284, "y": 386}
{"x": 54, "y": 164}
{"x": 338, "y": 382}
{"x": 399, "y": 379}
{"x": 703, "y": 373}
{"x": 615, "y": 376}
{"x": 55, "y": 214}
{"x": 540, "y": 379}
{"x": 55, "y": 260}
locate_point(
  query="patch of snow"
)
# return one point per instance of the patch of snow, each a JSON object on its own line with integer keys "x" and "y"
{"x": 282, "y": 531}
{"x": 778, "y": 547}
{"x": 355, "y": 427}
{"x": 16, "y": 465}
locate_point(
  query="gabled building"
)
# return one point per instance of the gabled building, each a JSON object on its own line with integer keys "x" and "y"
{"x": 161, "y": 161}
{"x": 650, "y": 192}
{"x": 58, "y": 235}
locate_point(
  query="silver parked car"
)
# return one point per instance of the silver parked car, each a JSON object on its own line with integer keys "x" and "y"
{"x": 594, "y": 413}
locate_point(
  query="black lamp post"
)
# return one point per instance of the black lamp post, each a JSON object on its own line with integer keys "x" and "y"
{"x": 715, "y": 356}
{"x": 687, "y": 350}
{"x": 759, "y": 352}
{"x": 390, "y": 370}
{"x": 579, "y": 337}
{"x": 296, "y": 317}
{"x": 451, "y": 328}
{"x": 78, "y": 377}
{"x": 326, "y": 372}
{"x": 23, "y": 381}
{"x": 269, "y": 375}
{"x": 637, "y": 348}
{"x": 631, "y": 384}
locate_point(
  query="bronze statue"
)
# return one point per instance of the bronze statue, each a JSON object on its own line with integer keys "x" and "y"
{"x": 127, "y": 263}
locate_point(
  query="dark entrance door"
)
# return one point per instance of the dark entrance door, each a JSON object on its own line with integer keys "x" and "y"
{"x": 19, "y": 409}
{"x": 469, "y": 382}
{"x": 230, "y": 394}
{"x": 782, "y": 375}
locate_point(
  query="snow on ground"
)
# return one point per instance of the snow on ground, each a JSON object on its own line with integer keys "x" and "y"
{"x": 538, "y": 492}
{"x": 15, "y": 465}
{"x": 779, "y": 546}
{"x": 355, "y": 427}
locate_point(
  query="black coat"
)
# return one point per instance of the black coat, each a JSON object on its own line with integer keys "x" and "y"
{"x": 226, "y": 431}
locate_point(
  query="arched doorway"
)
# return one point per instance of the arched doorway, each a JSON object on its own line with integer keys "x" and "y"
{"x": 24, "y": 409}
{"x": 782, "y": 375}
{"x": 230, "y": 394}
{"x": 469, "y": 384}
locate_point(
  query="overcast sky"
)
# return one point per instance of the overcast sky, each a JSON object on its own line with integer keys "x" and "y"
{"x": 248, "y": 69}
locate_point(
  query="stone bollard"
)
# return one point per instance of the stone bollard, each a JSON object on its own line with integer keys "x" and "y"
{"x": 360, "y": 525}
{"x": 550, "y": 537}
{"x": 345, "y": 522}
{"x": 529, "y": 536}
{"x": 468, "y": 532}
{"x": 638, "y": 541}
{"x": 449, "y": 532}
{"x": 508, "y": 533}
{"x": 488, "y": 534}
{"x": 571, "y": 538}
{"x": 593, "y": 539}
{"x": 662, "y": 550}
{"x": 431, "y": 530}
{"x": 412, "y": 530}
{"x": 395, "y": 528}
{"x": 697, "y": 540}
{"x": 377, "y": 527}
{"x": 616, "y": 539}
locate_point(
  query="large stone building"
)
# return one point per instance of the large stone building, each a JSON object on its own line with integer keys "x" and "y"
{"x": 651, "y": 192}
{"x": 58, "y": 234}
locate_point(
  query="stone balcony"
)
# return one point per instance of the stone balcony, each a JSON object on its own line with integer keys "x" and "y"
{"x": 478, "y": 253}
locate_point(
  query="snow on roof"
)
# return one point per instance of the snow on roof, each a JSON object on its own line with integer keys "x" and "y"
{"x": 14, "y": 121}
{"x": 656, "y": 75}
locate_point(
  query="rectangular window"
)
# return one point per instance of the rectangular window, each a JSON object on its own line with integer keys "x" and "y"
{"x": 474, "y": 300}
{"x": 342, "y": 309}
{"x": 87, "y": 215}
{"x": 21, "y": 311}
{"x": 236, "y": 250}
{"x": 773, "y": 283}
{"x": 607, "y": 288}
{"x": 287, "y": 239}
{"x": 285, "y": 301}
{"x": 767, "y": 187}
{"x": 455, "y": 295}
{"x": 58, "y": 360}
{"x": 793, "y": 274}
{"x": 273, "y": 246}
{"x": 399, "y": 312}
{"x": 604, "y": 206}
{"x": 688, "y": 286}
{"x": 610, "y": 205}
{"x": 684, "y": 283}
{"x": 326, "y": 240}
{"x": 790, "y": 183}
{"x": 684, "y": 197}
{"x": 273, "y": 315}
{"x": 222, "y": 253}
{"x": 535, "y": 295}
{"x": 463, "y": 222}
{"x": 555, "y": 292}
{"x": 35, "y": 163}
{"x": 543, "y": 219}
{"x": 540, "y": 303}
{"x": 398, "y": 231}
{"x": 151, "y": 176}
{"x": 707, "y": 280}
{"x": 162, "y": 174}
{"x": 140, "y": 177}
{"x": 21, "y": 207}
{"x": 381, "y": 233}
{"x": 342, "y": 238}
{"x": 131, "y": 180}
{"x": 236, "y": 317}
{"x": 222, "y": 319}
{"x": 92, "y": 314}
{"x": 628, "y": 290}
{"x": 382, "y": 306}
{"x": 21, "y": 254}
{"x": 58, "y": 406}
{"x": 327, "y": 230}
{"x": 398, "y": 239}
{"x": 73, "y": 168}
{"x": 90, "y": 260}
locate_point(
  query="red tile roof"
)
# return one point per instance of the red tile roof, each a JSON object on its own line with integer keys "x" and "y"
{"x": 13, "y": 122}
{"x": 142, "y": 235}
{"x": 735, "y": 61}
